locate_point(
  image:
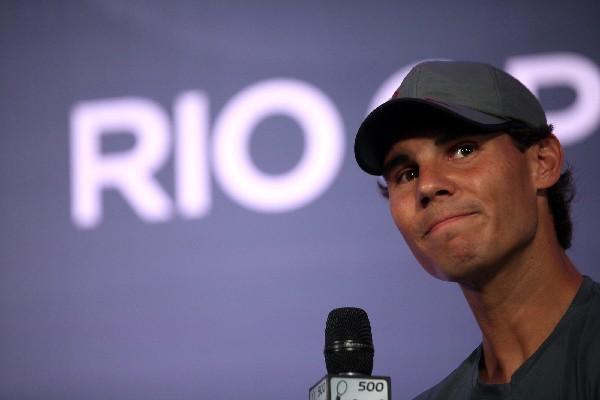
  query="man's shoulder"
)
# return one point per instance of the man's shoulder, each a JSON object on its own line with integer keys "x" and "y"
{"x": 594, "y": 293}
{"x": 458, "y": 384}
{"x": 590, "y": 329}
{"x": 579, "y": 342}
{"x": 588, "y": 309}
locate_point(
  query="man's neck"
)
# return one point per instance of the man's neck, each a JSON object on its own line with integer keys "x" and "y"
{"x": 519, "y": 308}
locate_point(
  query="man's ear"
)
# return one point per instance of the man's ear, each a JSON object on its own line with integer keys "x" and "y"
{"x": 547, "y": 157}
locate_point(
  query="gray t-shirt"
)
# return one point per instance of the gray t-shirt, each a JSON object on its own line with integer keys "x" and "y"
{"x": 566, "y": 366}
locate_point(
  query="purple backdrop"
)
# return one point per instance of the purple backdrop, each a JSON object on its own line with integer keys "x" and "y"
{"x": 180, "y": 204}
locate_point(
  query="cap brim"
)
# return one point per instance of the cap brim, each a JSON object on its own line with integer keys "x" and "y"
{"x": 389, "y": 121}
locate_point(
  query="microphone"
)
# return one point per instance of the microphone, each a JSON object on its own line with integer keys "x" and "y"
{"x": 349, "y": 360}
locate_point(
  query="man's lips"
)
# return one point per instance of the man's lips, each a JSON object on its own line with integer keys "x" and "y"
{"x": 448, "y": 219}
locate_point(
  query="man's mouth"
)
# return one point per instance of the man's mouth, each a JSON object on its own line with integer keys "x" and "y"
{"x": 445, "y": 221}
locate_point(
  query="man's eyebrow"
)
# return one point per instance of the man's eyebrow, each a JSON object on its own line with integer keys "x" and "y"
{"x": 398, "y": 159}
{"x": 448, "y": 137}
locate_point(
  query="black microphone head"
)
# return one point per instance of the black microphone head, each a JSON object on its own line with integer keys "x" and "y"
{"x": 348, "y": 342}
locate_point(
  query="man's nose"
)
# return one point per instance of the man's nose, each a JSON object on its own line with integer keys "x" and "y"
{"x": 433, "y": 184}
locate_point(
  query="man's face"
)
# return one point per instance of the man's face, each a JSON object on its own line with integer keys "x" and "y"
{"x": 464, "y": 204}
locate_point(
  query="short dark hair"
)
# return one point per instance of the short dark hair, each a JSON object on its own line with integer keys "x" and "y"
{"x": 560, "y": 195}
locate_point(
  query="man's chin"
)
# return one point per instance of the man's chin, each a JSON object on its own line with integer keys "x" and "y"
{"x": 472, "y": 276}
{"x": 456, "y": 269}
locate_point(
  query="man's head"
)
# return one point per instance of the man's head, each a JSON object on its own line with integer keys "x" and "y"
{"x": 470, "y": 162}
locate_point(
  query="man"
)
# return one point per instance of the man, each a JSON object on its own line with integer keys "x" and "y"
{"x": 473, "y": 176}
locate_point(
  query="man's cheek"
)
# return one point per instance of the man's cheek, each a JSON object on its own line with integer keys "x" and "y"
{"x": 400, "y": 218}
{"x": 404, "y": 229}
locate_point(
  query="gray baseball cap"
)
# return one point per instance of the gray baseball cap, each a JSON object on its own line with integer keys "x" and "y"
{"x": 475, "y": 94}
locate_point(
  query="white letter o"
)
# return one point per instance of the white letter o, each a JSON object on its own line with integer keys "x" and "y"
{"x": 323, "y": 152}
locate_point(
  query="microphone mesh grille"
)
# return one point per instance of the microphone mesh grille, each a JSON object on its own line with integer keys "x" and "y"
{"x": 348, "y": 342}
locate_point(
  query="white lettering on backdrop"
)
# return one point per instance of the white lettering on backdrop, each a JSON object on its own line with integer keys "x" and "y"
{"x": 132, "y": 172}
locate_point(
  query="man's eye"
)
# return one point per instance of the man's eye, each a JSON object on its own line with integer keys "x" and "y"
{"x": 463, "y": 150}
{"x": 407, "y": 175}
